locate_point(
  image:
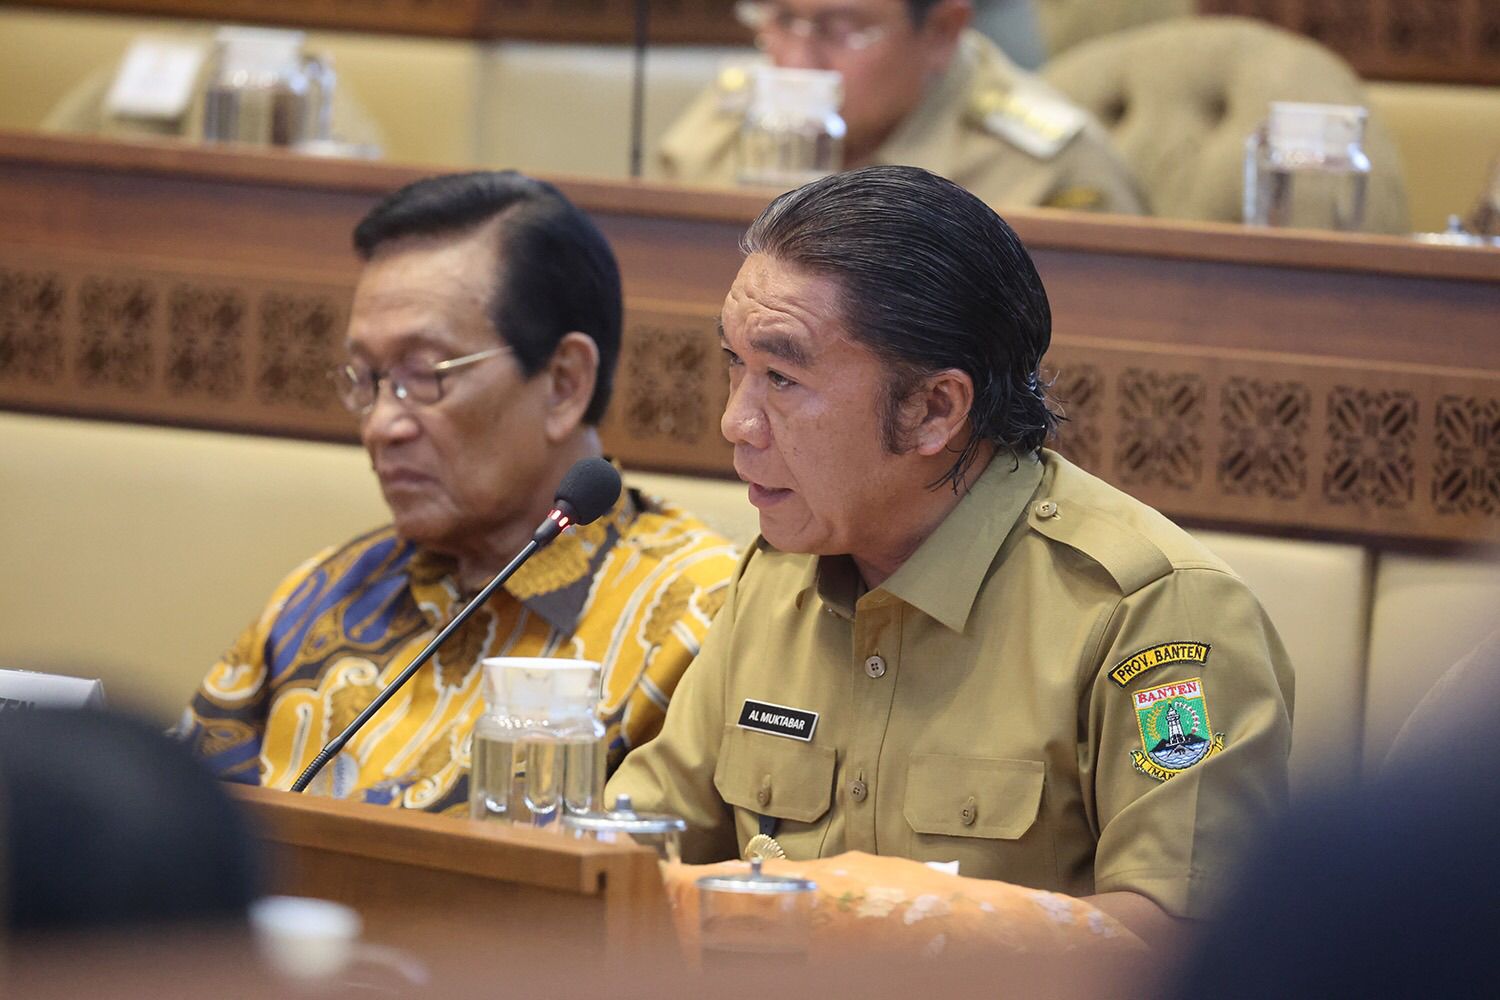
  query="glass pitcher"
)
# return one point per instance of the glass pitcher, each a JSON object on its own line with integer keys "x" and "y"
{"x": 1306, "y": 167}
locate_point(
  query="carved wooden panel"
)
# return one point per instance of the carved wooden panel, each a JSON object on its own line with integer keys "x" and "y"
{"x": 1208, "y": 435}
{"x": 207, "y": 334}
{"x": 670, "y": 388}
{"x": 1466, "y": 475}
{"x": 671, "y": 21}
{"x": 1220, "y": 436}
{"x": 1452, "y": 41}
{"x": 1339, "y": 385}
{"x": 1265, "y": 424}
{"x": 167, "y": 345}
{"x": 31, "y": 326}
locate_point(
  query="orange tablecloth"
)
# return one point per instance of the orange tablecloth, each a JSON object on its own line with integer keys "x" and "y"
{"x": 869, "y": 904}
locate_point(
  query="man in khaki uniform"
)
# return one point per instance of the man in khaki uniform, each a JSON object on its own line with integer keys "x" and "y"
{"x": 997, "y": 658}
{"x": 920, "y": 88}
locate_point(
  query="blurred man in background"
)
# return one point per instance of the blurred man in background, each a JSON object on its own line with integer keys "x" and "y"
{"x": 920, "y": 88}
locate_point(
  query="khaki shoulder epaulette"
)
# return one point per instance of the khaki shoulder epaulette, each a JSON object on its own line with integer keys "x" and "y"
{"x": 1027, "y": 116}
{"x": 1130, "y": 558}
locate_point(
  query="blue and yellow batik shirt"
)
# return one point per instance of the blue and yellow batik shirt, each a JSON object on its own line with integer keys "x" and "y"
{"x": 635, "y": 591}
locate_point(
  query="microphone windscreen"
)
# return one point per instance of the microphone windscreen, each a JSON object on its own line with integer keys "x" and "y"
{"x": 589, "y": 489}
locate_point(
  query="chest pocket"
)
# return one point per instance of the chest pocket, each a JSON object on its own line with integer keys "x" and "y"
{"x": 978, "y": 811}
{"x": 763, "y": 775}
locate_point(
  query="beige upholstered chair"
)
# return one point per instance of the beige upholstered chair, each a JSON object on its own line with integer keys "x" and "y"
{"x": 1427, "y": 612}
{"x": 1066, "y": 23}
{"x": 1179, "y": 98}
{"x": 1317, "y": 595}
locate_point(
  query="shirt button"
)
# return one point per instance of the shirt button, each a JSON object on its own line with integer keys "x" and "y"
{"x": 969, "y": 812}
{"x": 858, "y": 790}
{"x": 1046, "y": 508}
{"x": 875, "y": 666}
{"x": 764, "y": 795}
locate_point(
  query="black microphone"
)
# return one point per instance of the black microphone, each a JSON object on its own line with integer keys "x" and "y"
{"x": 588, "y": 490}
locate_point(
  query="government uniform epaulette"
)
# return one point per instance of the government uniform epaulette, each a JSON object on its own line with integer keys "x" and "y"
{"x": 1130, "y": 558}
{"x": 1026, "y": 116}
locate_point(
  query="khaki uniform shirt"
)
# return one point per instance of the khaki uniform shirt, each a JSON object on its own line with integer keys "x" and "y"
{"x": 968, "y": 708}
{"x": 986, "y": 124}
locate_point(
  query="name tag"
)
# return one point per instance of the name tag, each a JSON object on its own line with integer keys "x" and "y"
{"x": 778, "y": 720}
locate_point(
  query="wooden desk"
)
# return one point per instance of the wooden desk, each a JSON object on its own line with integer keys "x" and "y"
{"x": 1343, "y": 386}
{"x": 442, "y": 887}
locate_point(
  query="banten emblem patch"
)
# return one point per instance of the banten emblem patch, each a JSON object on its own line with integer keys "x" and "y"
{"x": 1175, "y": 732}
{"x": 1158, "y": 656}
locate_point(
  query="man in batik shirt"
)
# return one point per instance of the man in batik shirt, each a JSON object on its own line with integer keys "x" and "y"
{"x": 481, "y": 347}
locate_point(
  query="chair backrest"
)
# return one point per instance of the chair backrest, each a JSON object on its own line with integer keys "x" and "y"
{"x": 1066, "y": 23}
{"x": 551, "y": 108}
{"x": 1427, "y": 612}
{"x": 1180, "y": 97}
{"x": 1317, "y": 595}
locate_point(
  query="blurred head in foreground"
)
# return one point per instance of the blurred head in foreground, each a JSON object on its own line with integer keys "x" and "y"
{"x": 106, "y": 823}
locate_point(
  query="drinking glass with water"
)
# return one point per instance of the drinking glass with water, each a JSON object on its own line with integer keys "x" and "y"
{"x": 1306, "y": 167}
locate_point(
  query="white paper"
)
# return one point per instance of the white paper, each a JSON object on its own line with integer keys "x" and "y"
{"x": 156, "y": 78}
{"x": 20, "y": 689}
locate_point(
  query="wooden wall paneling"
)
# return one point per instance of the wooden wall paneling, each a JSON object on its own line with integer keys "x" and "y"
{"x": 1447, "y": 41}
{"x": 700, "y": 22}
{"x": 1324, "y": 311}
{"x": 1450, "y": 41}
{"x": 670, "y": 388}
{"x": 444, "y": 18}
{"x": 171, "y": 345}
{"x": 1280, "y": 441}
{"x": 1325, "y": 383}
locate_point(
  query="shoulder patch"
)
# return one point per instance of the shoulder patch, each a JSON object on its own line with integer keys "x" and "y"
{"x": 1031, "y": 119}
{"x": 1159, "y": 655}
{"x": 1130, "y": 558}
{"x": 1174, "y": 727}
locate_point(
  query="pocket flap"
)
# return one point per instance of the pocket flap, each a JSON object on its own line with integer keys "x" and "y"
{"x": 774, "y": 776}
{"x": 989, "y": 797}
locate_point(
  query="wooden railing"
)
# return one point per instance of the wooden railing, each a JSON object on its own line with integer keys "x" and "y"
{"x": 1294, "y": 382}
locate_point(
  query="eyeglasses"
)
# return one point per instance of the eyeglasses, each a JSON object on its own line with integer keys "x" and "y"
{"x": 358, "y": 385}
{"x": 831, "y": 30}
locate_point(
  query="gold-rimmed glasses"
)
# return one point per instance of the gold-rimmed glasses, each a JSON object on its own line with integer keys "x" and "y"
{"x": 358, "y": 385}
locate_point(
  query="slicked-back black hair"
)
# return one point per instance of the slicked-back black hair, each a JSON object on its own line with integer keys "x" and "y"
{"x": 929, "y": 278}
{"x": 555, "y": 272}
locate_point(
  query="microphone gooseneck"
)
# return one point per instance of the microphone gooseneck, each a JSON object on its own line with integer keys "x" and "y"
{"x": 588, "y": 490}
{"x": 638, "y": 88}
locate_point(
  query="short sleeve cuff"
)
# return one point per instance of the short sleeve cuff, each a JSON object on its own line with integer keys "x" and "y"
{"x": 1182, "y": 894}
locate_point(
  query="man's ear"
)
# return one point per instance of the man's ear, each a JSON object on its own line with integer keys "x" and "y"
{"x": 942, "y": 29}
{"x": 942, "y": 413}
{"x": 571, "y": 374}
